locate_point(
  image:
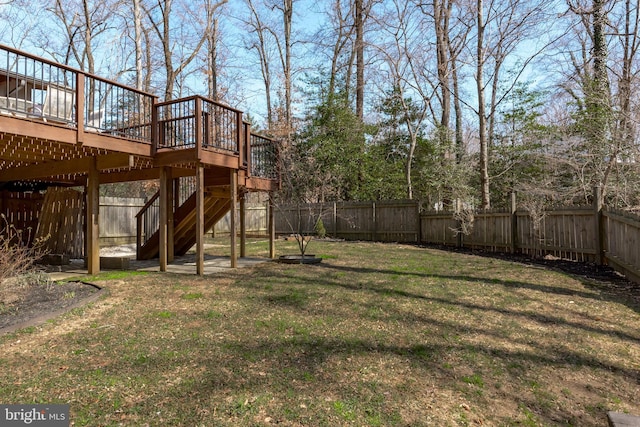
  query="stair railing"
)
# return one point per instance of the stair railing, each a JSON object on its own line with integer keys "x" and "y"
{"x": 147, "y": 222}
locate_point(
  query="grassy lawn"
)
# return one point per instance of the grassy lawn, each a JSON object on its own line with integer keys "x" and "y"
{"x": 376, "y": 335}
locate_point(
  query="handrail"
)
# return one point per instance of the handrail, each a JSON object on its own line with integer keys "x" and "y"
{"x": 193, "y": 97}
{"x": 148, "y": 204}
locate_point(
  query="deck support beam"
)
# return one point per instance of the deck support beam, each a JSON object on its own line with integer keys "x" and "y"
{"x": 200, "y": 220}
{"x": 93, "y": 216}
{"x": 233, "y": 227}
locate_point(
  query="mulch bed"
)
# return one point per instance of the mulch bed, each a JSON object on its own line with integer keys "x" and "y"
{"x": 36, "y": 304}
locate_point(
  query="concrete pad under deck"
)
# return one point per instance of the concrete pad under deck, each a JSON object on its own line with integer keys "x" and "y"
{"x": 181, "y": 265}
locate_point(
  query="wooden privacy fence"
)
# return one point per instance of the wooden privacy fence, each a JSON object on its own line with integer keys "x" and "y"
{"x": 60, "y": 222}
{"x": 117, "y": 221}
{"x": 58, "y": 216}
{"x": 20, "y": 210}
{"x": 387, "y": 221}
{"x": 256, "y": 221}
{"x": 581, "y": 233}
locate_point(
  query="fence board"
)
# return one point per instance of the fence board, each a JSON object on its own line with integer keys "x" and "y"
{"x": 438, "y": 228}
{"x": 389, "y": 221}
{"x": 118, "y": 219}
{"x": 491, "y": 230}
{"x": 21, "y": 211}
{"x": 396, "y": 221}
{"x": 255, "y": 220}
{"x": 60, "y": 222}
{"x": 623, "y": 231}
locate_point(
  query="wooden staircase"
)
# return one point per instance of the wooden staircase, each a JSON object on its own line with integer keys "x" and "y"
{"x": 184, "y": 219}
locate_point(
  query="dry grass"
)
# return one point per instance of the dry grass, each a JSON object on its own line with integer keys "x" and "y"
{"x": 375, "y": 335}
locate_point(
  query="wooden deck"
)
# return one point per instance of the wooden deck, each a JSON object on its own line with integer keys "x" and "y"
{"x": 62, "y": 127}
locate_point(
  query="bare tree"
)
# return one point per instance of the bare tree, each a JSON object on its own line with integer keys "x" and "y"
{"x": 180, "y": 44}
{"x": 483, "y": 138}
{"x": 335, "y": 42}
{"x": 83, "y": 23}
{"x": 260, "y": 42}
{"x": 359, "y": 12}
{"x": 407, "y": 67}
{"x": 603, "y": 77}
{"x": 285, "y": 7}
{"x": 137, "y": 39}
{"x": 500, "y": 29}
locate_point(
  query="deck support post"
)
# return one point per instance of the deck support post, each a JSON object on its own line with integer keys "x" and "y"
{"x": 271, "y": 225}
{"x": 170, "y": 210}
{"x": 163, "y": 226}
{"x": 243, "y": 227}
{"x": 93, "y": 216}
{"x": 233, "y": 215}
{"x": 200, "y": 220}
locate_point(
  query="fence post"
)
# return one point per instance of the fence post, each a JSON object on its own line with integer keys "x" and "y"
{"x": 374, "y": 233}
{"x": 459, "y": 236}
{"x": 514, "y": 224}
{"x": 597, "y": 215}
{"x": 418, "y": 223}
{"x": 335, "y": 220}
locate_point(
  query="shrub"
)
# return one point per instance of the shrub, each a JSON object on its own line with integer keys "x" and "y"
{"x": 17, "y": 259}
{"x": 321, "y": 232}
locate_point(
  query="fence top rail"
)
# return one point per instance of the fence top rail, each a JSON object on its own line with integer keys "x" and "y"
{"x": 622, "y": 213}
{"x": 437, "y": 214}
{"x": 571, "y": 208}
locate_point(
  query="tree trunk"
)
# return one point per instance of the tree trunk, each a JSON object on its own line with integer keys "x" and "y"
{"x": 288, "y": 16}
{"x": 441, "y": 18}
{"x": 137, "y": 29}
{"x": 482, "y": 119}
{"x": 359, "y": 23}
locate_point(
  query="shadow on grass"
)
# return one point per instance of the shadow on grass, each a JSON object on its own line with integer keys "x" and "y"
{"x": 601, "y": 278}
{"x": 323, "y": 278}
{"x": 506, "y": 283}
{"x": 296, "y": 365}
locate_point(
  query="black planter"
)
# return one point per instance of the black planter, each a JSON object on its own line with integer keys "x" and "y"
{"x": 299, "y": 259}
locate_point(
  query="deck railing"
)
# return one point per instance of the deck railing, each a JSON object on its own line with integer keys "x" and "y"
{"x": 39, "y": 89}
{"x": 264, "y": 157}
{"x": 182, "y": 122}
{"x": 36, "y": 88}
{"x": 117, "y": 110}
{"x": 147, "y": 220}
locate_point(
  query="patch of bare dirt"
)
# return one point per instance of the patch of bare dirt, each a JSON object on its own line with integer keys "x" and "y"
{"x": 31, "y": 304}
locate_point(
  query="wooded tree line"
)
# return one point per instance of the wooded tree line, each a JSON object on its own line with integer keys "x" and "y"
{"x": 441, "y": 100}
